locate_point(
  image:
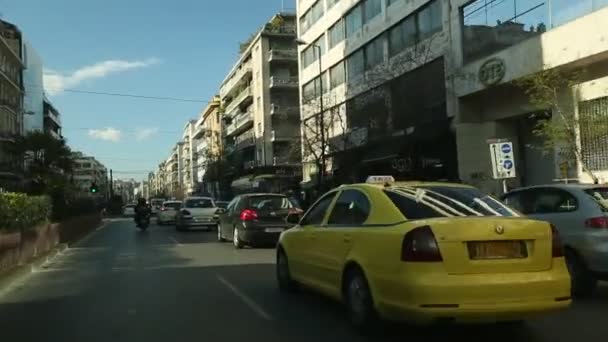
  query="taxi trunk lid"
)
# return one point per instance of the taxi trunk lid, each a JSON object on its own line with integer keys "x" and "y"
{"x": 493, "y": 244}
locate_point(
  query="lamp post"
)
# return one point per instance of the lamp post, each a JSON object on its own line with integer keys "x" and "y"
{"x": 322, "y": 114}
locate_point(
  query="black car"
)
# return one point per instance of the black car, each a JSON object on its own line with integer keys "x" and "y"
{"x": 255, "y": 219}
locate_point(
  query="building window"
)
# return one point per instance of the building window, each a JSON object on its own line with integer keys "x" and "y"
{"x": 372, "y": 8}
{"x": 374, "y": 53}
{"x": 308, "y": 91}
{"x": 259, "y": 129}
{"x": 307, "y": 56}
{"x": 321, "y": 43}
{"x": 430, "y": 20}
{"x": 354, "y": 21}
{"x": 402, "y": 36}
{"x": 331, "y": 3}
{"x": 317, "y": 12}
{"x": 337, "y": 75}
{"x": 304, "y": 22}
{"x": 356, "y": 65}
{"x": 390, "y": 2}
{"x": 336, "y": 33}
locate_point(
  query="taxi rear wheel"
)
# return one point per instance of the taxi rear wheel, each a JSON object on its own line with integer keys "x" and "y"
{"x": 583, "y": 282}
{"x": 286, "y": 283}
{"x": 359, "y": 301}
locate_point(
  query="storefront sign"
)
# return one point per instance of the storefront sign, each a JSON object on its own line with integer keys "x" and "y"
{"x": 492, "y": 71}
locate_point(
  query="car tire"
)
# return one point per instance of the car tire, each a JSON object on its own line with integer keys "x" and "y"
{"x": 359, "y": 302}
{"x": 220, "y": 238}
{"x": 284, "y": 280}
{"x": 583, "y": 282}
{"x": 236, "y": 241}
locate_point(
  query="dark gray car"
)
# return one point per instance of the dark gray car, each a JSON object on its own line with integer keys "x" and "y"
{"x": 255, "y": 219}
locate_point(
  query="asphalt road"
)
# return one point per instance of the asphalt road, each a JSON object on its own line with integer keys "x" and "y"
{"x": 120, "y": 284}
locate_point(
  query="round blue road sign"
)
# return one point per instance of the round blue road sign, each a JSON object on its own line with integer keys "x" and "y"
{"x": 505, "y": 148}
{"x": 507, "y": 165}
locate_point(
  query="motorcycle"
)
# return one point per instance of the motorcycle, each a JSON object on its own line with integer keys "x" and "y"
{"x": 143, "y": 222}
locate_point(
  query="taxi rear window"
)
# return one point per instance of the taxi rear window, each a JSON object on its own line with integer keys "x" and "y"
{"x": 445, "y": 201}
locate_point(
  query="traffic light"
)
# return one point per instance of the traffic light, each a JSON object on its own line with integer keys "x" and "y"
{"x": 93, "y": 188}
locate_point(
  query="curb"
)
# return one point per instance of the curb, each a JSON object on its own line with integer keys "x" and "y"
{"x": 23, "y": 270}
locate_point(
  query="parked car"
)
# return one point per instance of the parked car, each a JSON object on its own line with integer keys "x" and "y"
{"x": 167, "y": 212}
{"x": 128, "y": 210}
{"x": 222, "y": 204}
{"x": 197, "y": 212}
{"x": 156, "y": 204}
{"x": 580, "y": 214}
{"x": 254, "y": 219}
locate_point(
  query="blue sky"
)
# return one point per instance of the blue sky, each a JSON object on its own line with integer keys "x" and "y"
{"x": 178, "y": 48}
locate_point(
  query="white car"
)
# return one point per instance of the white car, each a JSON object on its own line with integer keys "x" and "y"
{"x": 167, "y": 212}
{"x": 197, "y": 212}
{"x": 580, "y": 214}
{"x": 129, "y": 210}
{"x": 156, "y": 204}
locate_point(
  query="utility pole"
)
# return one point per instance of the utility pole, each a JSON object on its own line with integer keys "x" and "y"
{"x": 111, "y": 185}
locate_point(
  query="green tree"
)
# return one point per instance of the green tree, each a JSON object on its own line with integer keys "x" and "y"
{"x": 557, "y": 92}
{"x": 48, "y": 161}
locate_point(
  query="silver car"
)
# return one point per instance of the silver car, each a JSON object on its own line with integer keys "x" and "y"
{"x": 580, "y": 214}
{"x": 197, "y": 212}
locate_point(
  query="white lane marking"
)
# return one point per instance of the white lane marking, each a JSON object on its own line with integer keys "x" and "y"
{"x": 250, "y": 302}
{"x": 175, "y": 240}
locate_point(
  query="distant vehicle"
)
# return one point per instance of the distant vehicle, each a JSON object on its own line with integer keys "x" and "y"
{"x": 128, "y": 210}
{"x": 167, "y": 212}
{"x": 254, "y": 219}
{"x": 197, "y": 212}
{"x": 222, "y": 204}
{"x": 143, "y": 221}
{"x": 580, "y": 214}
{"x": 423, "y": 252}
{"x": 156, "y": 204}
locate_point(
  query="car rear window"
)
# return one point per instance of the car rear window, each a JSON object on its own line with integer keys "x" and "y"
{"x": 445, "y": 201}
{"x": 130, "y": 206}
{"x": 157, "y": 202}
{"x": 173, "y": 205}
{"x": 199, "y": 203}
{"x": 600, "y": 195}
{"x": 269, "y": 202}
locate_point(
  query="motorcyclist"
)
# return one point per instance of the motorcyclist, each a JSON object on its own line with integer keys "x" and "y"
{"x": 141, "y": 209}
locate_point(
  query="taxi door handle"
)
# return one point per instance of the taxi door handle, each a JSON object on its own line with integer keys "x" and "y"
{"x": 347, "y": 238}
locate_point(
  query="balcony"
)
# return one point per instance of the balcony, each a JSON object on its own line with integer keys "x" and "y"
{"x": 244, "y": 140}
{"x": 284, "y": 82}
{"x": 243, "y": 73}
{"x": 283, "y": 55}
{"x": 281, "y": 30}
{"x": 6, "y": 136}
{"x": 283, "y": 135}
{"x": 52, "y": 116}
{"x": 281, "y": 110}
{"x": 242, "y": 97}
{"x": 199, "y": 132}
{"x": 240, "y": 123}
{"x": 283, "y": 161}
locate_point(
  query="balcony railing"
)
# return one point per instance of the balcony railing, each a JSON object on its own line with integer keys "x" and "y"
{"x": 283, "y": 160}
{"x": 245, "y": 94}
{"x": 244, "y": 71}
{"x": 240, "y": 122}
{"x": 277, "y": 109}
{"x": 283, "y": 135}
{"x": 244, "y": 140}
{"x": 283, "y": 82}
{"x": 283, "y": 55}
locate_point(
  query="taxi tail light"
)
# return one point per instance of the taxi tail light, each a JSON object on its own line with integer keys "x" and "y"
{"x": 557, "y": 250}
{"x": 420, "y": 245}
{"x": 163, "y": 209}
{"x": 597, "y": 222}
{"x": 249, "y": 215}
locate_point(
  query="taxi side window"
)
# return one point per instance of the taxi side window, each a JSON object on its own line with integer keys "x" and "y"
{"x": 316, "y": 214}
{"x": 351, "y": 208}
{"x": 232, "y": 204}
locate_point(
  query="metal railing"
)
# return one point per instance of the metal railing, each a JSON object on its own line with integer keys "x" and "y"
{"x": 279, "y": 81}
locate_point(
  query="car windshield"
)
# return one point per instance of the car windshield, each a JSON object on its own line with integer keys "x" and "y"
{"x": 600, "y": 195}
{"x": 199, "y": 203}
{"x": 173, "y": 205}
{"x": 269, "y": 202}
{"x": 446, "y": 201}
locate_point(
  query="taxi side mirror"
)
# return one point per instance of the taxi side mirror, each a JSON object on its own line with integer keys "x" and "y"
{"x": 293, "y": 218}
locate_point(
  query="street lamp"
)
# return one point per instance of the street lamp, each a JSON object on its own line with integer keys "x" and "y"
{"x": 322, "y": 123}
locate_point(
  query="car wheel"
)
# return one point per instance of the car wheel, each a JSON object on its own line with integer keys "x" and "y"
{"x": 220, "y": 238}
{"x": 359, "y": 302}
{"x": 286, "y": 283}
{"x": 238, "y": 244}
{"x": 583, "y": 281}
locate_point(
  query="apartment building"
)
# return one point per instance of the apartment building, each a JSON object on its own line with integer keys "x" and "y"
{"x": 173, "y": 172}
{"x": 208, "y": 135}
{"x": 89, "y": 171}
{"x": 51, "y": 122}
{"x": 260, "y": 102}
{"x": 33, "y": 102}
{"x": 373, "y": 92}
{"x": 11, "y": 101}
{"x": 189, "y": 171}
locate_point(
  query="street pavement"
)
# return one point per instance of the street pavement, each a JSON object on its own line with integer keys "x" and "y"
{"x": 120, "y": 284}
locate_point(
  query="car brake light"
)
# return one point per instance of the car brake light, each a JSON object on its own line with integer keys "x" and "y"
{"x": 249, "y": 215}
{"x": 597, "y": 222}
{"x": 163, "y": 209}
{"x": 185, "y": 212}
{"x": 557, "y": 250}
{"x": 420, "y": 245}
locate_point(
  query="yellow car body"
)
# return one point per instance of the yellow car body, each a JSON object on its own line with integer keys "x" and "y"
{"x": 457, "y": 288}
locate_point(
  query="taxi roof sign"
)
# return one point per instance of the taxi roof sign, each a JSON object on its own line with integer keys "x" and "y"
{"x": 380, "y": 179}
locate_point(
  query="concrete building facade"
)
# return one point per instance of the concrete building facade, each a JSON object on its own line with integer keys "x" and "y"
{"x": 51, "y": 122}
{"x": 89, "y": 171}
{"x": 188, "y": 174}
{"x": 209, "y": 152}
{"x": 260, "y": 105}
{"x": 33, "y": 101}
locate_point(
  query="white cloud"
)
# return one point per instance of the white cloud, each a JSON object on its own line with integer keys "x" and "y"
{"x": 142, "y": 134}
{"x": 108, "y": 134}
{"x": 56, "y": 82}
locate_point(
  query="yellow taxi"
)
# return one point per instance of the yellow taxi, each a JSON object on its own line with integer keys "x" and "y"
{"x": 424, "y": 252}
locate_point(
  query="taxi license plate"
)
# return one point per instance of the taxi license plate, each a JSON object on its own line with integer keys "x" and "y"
{"x": 497, "y": 250}
{"x": 273, "y": 230}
